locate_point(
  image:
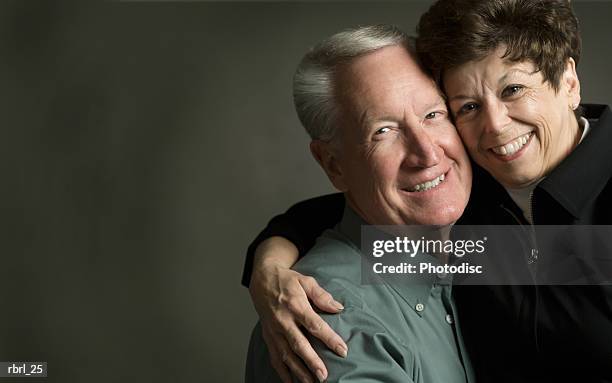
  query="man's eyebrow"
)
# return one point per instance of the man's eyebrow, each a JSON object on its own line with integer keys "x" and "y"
{"x": 367, "y": 118}
{"x": 434, "y": 104}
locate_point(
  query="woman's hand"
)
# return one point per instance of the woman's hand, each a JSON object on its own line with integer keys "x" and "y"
{"x": 281, "y": 298}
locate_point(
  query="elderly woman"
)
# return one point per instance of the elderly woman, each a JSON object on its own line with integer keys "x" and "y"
{"x": 508, "y": 68}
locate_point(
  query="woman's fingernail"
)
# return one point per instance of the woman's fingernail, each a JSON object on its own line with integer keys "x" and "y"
{"x": 320, "y": 375}
{"x": 341, "y": 350}
{"x": 338, "y": 305}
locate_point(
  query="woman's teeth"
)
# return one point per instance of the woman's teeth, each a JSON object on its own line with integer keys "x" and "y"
{"x": 512, "y": 147}
{"x": 429, "y": 184}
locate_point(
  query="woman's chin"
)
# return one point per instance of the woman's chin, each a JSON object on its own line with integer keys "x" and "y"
{"x": 516, "y": 180}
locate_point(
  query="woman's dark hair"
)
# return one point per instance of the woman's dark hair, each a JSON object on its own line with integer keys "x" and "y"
{"x": 454, "y": 32}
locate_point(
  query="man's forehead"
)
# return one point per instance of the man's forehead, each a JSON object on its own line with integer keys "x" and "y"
{"x": 387, "y": 67}
{"x": 374, "y": 99}
{"x": 385, "y": 83}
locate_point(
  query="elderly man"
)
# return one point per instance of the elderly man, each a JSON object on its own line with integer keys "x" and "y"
{"x": 381, "y": 132}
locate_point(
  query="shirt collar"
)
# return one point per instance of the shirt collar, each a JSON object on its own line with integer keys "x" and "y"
{"x": 584, "y": 124}
{"x": 414, "y": 293}
{"x": 581, "y": 176}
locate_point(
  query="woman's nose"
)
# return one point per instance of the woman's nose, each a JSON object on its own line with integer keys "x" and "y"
{"x": 495, "y": 116}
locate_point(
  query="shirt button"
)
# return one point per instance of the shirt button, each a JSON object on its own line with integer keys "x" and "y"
{"x": 419, "y": 307}
{"x": 449, "y": 319}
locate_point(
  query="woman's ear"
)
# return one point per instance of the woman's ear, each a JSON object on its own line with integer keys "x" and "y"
{"x": 327, "y": 155}
{"x": 571, "y": 83}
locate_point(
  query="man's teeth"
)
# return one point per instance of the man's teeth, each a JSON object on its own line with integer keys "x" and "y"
{"x": 512, "y": 147}
{"x": 429, "y": 184}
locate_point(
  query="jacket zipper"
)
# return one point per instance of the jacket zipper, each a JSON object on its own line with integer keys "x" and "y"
{"x": 531, "y": 261}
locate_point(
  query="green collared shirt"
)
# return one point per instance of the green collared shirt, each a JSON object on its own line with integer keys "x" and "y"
{"x": 395, "y": 332}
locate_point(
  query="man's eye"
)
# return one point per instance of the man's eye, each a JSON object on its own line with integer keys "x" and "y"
{"x": 512, "y": 90}
{"x": 432, "y": 115}
{"x": 467, "y": 108}
{"x": 382, "y": 130}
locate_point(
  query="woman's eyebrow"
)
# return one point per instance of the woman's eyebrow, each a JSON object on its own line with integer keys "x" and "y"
{"x": 512, "y": 72}
{"x": 458, "y": 97}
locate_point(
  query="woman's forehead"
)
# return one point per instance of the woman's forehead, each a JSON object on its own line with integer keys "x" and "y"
{"x": 492, "y": 71}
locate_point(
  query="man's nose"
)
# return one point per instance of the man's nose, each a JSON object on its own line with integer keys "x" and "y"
{"x": 422, "y": 151}
{"x": 495, "y": 116}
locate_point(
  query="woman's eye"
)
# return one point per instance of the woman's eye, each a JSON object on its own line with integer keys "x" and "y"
{"x": 467, "y": 108}
{"x": 382, "y": 130}
{"x": 511, "y": 90}
{"x": 432, "y": 115}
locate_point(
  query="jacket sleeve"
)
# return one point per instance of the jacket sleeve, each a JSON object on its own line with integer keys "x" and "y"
{"x": 301, "y": 224}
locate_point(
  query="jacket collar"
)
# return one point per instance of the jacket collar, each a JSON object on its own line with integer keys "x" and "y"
{"x": 582, "y": 176}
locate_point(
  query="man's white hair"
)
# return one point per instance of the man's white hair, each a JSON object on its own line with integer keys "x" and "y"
{"x": 313, "y": 83}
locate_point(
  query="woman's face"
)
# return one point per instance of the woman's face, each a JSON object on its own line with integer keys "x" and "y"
{"x": 514, "y": 125}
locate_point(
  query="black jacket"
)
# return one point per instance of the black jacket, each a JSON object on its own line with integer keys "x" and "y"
{"x": 518, "y": 333}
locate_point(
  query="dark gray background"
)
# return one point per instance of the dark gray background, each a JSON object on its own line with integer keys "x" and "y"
{"x": 143, "y": 145}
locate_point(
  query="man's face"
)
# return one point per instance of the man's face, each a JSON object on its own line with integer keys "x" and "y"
{"x": 398, "y": 157}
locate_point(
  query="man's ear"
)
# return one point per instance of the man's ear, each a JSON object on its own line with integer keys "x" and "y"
{"x": 571, "y": 83}
{"x": 326, "y": 154}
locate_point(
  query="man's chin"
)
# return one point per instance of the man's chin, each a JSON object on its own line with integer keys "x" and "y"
{"x": 433, "y": 222}
{"x": 441, "y": 218}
